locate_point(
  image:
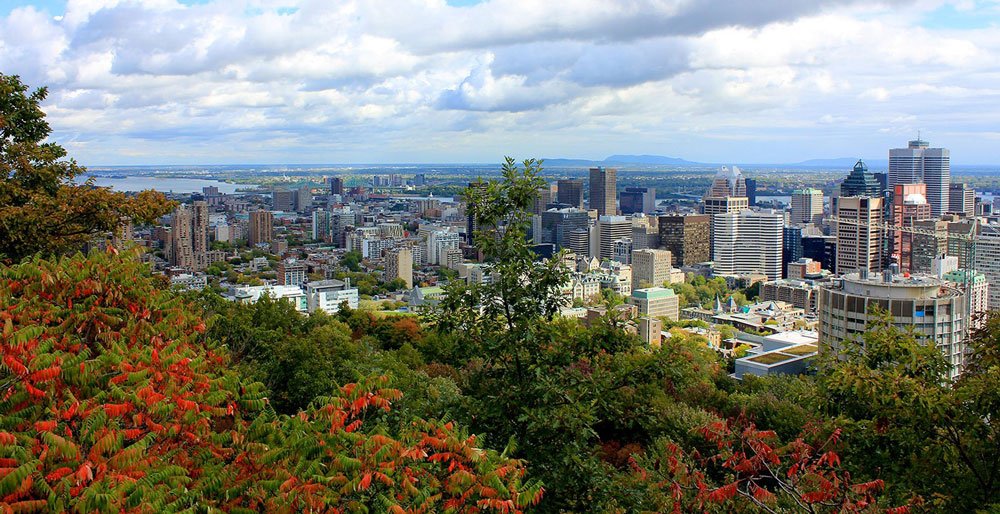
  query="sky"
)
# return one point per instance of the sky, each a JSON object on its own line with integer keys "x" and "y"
{"x": 384, "y": 81}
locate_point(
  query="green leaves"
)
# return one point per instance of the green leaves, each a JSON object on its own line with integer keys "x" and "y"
{"x": 41, "y": 208}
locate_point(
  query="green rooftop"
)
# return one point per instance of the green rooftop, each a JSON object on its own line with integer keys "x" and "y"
{"x": 654, "y": 293}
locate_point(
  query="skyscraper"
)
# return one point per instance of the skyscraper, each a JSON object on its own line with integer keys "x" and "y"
{"x": 807, "y": 206}
{"x": 603, "y": 188}
{"x": 544, "y": 198}
{"x": 181, "y": 250}
{"x": 861, "y": 183}
{"x": 728, "y": 192}
{"x": 637, "y": 199}
{"x": 687, "y": 238}
{"x": 610, "y": 229}
{"x": 909, "y": 205}
{"x": 189, "y": 236}
{"x": 557, "y": 224}
{"x": 283, "y": 200}
{"x": 934, "y": 313}
{"x": 399, "y": 264}
{"x": 859, "y": 243}
{"x": 336, "y": 186}
{"x": 321, "y": 225}
{"x": 962, "y": 199}
{"x": 650, "y": 268}
{"x": 570, "y": 192}
{"x": 748, "y": 242}
{"x": 261, "y": 227}
{"x": 918, "y": 163}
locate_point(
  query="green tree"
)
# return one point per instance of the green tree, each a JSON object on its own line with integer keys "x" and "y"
{"x": 352, "y": 261}
{"x": 907, "y": 421}
{"x": 42, "y": 209}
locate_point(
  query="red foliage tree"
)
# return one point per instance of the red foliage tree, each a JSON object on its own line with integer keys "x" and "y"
{"x": 758, "y": 473}
{"x": 113, "y": 400}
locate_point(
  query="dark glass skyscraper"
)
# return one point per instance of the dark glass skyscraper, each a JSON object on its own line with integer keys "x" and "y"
{"x": 861, "y": 183}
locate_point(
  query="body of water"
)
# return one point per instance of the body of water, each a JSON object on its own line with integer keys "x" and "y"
{"x": 164, "y": 184}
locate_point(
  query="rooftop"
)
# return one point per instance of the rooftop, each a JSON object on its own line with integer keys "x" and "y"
{"x": 653, "y": 293}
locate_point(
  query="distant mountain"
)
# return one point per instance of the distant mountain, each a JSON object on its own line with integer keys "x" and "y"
{"x": 841, "y": 162}
{"x": 623, "y": 159}
{"x": 647, "y": 159}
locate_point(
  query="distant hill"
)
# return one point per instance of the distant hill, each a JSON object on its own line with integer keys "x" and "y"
{"x": 623, "y": 159}
{"x": 841, "y": 162}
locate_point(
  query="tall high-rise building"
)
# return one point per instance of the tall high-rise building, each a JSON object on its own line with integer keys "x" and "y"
{"x": 687, "y": 238}
{"x": 656, "y": 302}
{"x": 570, "y": 192}
{"x": 181, "y": 250}
{"x": 909, "y": 205}
{"x": 321, "y": 225}
{"x": 928, "y": 247}
{"x": 603, "y": 188}
{"x": 557, "y": 224}
{"x": 199, "y": 234}
{"x": 637, "y": 199}
{"x": 807, "y": 206}
{"x": 651, "y": 267}
{"x": 962, "y": 199}
{"x": 727, "y": 195}
{"x": 935, "y": 313}
{"x": 399, "y": 264}
{"x": 859, "y": 244}
{"x": 918, "y": 163}
{"x": 822, "y": 249}
{"x": 261, "y": 227}
{"x": 579, "y": 241}
{"x": 748, "y": 242}
{"x": 610, "y": 229}
{"x": 751, "y": 191}
{"x": 861, "y": 183}
{"x": 336, "y": 186}
{"x": 987, "y": 262}
{"x": 728, "y": 182}
{"x": 189, "y": 236}
{"x": 303, "y": 199}
{"x": 283, "y": 200}
{"x": 544, "y": 198}
{"x": 725, "y": 205}
{"x": 290, "y": 272}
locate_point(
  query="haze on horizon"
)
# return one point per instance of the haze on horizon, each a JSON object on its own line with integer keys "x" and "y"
{"x": 225, "y": 82}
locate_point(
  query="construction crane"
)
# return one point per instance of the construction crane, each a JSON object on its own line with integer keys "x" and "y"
{"x": 967, "y": 239}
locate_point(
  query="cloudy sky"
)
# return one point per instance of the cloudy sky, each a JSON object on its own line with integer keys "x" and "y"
{"x": 340, "y": 81}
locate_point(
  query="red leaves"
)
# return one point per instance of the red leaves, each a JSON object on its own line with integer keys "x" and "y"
{"x": 45, "y": 426}
{"x": 15, "y": 365}
{"x": 7, "y": 439}
{"x": 366, "y": 482}
{"x": 116, "y": 410}
{"x": 721, "y": 494}
{"x": 45, "y": 375}
{"x": 84, "y": 474}
{"x": 764, "y": 470}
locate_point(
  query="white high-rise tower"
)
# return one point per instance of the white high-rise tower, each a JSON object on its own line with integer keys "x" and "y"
{"x": 920, "y": 164}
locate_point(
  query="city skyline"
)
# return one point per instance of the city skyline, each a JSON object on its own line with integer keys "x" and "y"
{"x": 212, "y": 82}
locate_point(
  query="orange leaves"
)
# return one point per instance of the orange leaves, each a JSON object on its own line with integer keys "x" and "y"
{"x": 15, "y": 365}
{"x": 45, "y": 426}
{"x": 84, "y": 474}
{"x": 502, "y": 506}
{"x": 58, "y": 474}
{"x": 724, "y": 493}
{"x": 117, "y": 410}
{"x": 148, "y": 405}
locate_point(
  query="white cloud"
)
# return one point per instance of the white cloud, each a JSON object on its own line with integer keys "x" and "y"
{"x": 418, "y": 80}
